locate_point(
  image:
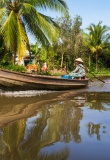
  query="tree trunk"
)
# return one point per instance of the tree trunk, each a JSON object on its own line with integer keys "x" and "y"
{"x": 13, "y": 58}
{"x": 89, "y": 60}
{"x": 62, "y": 60}
{"x": 96, "y": 61}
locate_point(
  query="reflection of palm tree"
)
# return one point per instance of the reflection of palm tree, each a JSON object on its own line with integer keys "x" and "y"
{"x": 56, "y": 122}
{"x": 38, "y": 137}
{"x": 48, "y": 127}
{"x": 70, "y": 125}
{"x": 55, "y": 156}
{"x": 12, "y": 137}
{"x": 33, "y": 137}
{"x": 2, "y": 145}
{"x": 15, "y": 148}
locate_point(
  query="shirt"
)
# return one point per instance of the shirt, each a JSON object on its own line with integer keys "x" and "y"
{"x": 79, "y": 69}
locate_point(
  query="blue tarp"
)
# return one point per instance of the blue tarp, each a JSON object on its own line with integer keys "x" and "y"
{"x": 66, "y": 77}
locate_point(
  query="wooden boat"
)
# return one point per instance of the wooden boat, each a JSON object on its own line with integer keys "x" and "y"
{"x": 15, "y": 81}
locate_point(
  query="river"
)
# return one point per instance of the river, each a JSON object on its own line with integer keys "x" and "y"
{"x": 48, "y": 125}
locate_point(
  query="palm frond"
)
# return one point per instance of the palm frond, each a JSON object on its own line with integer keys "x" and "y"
{"x": 39, "y": 25}
{"x": 57, "y": 5}
{"x": 8, "y": 30}
{"x": 50, "y": 20}
{"x": 22, "y": 40}
{"x": 13, "y": 134}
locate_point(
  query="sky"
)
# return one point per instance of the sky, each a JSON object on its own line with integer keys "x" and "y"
{"x": 91, "y": 11}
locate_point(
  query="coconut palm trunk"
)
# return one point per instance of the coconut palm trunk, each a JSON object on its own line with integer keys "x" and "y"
{"x": 96, "y": 61}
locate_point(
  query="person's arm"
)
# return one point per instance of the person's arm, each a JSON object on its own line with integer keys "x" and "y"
{"x": 75, "y": 70}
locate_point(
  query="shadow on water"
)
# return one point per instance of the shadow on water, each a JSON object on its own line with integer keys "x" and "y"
{"x": 71, "y": 125}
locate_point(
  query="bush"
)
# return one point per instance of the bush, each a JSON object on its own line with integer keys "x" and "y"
{"x": 10, "y": 66}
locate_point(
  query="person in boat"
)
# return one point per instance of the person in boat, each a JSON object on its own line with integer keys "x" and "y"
{"x": 79, "y": 71}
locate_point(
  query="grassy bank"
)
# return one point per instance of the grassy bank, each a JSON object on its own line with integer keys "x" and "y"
{"x": 100, "y": 73}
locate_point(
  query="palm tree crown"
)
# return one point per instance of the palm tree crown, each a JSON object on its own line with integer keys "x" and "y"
{"x": 96, "y": 38}
{"x": 19, "y": 17}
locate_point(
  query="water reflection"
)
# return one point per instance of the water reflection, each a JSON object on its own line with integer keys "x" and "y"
{"x": 57, "y": 128}
{"x": 94, "y": 129}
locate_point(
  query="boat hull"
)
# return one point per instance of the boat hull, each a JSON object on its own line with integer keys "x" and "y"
{"x": 15, "y": 81}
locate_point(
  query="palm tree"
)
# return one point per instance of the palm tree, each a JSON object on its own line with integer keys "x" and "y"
{"x": 97, "y": 38}
{"x": 19, "y": 17}
{"x": 87, "y": 46}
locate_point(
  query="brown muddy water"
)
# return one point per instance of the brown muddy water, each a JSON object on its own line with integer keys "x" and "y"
{"x": 41, "y": 125}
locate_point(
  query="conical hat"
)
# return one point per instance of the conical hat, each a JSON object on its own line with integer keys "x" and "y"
{"x": 79, "y": 60}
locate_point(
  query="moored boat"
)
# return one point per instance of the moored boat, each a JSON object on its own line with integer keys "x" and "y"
{"x": 15, "y": 81}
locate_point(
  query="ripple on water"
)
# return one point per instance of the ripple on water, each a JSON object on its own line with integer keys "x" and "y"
{"x": 28, "y": 93}
{"x": 98, "y": 86}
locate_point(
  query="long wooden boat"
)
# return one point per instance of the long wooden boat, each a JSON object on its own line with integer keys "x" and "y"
{"x": 15, "y": 81}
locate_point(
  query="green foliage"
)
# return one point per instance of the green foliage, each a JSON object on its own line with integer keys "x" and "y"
{"x": 34, "y": 48}
{"x": 8, "y": 65}
{"x": 69, "y": 44}
{"x": 75, "y": 42}
{"x": 97, "y": 39}
{"x": 17, "y": 18}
